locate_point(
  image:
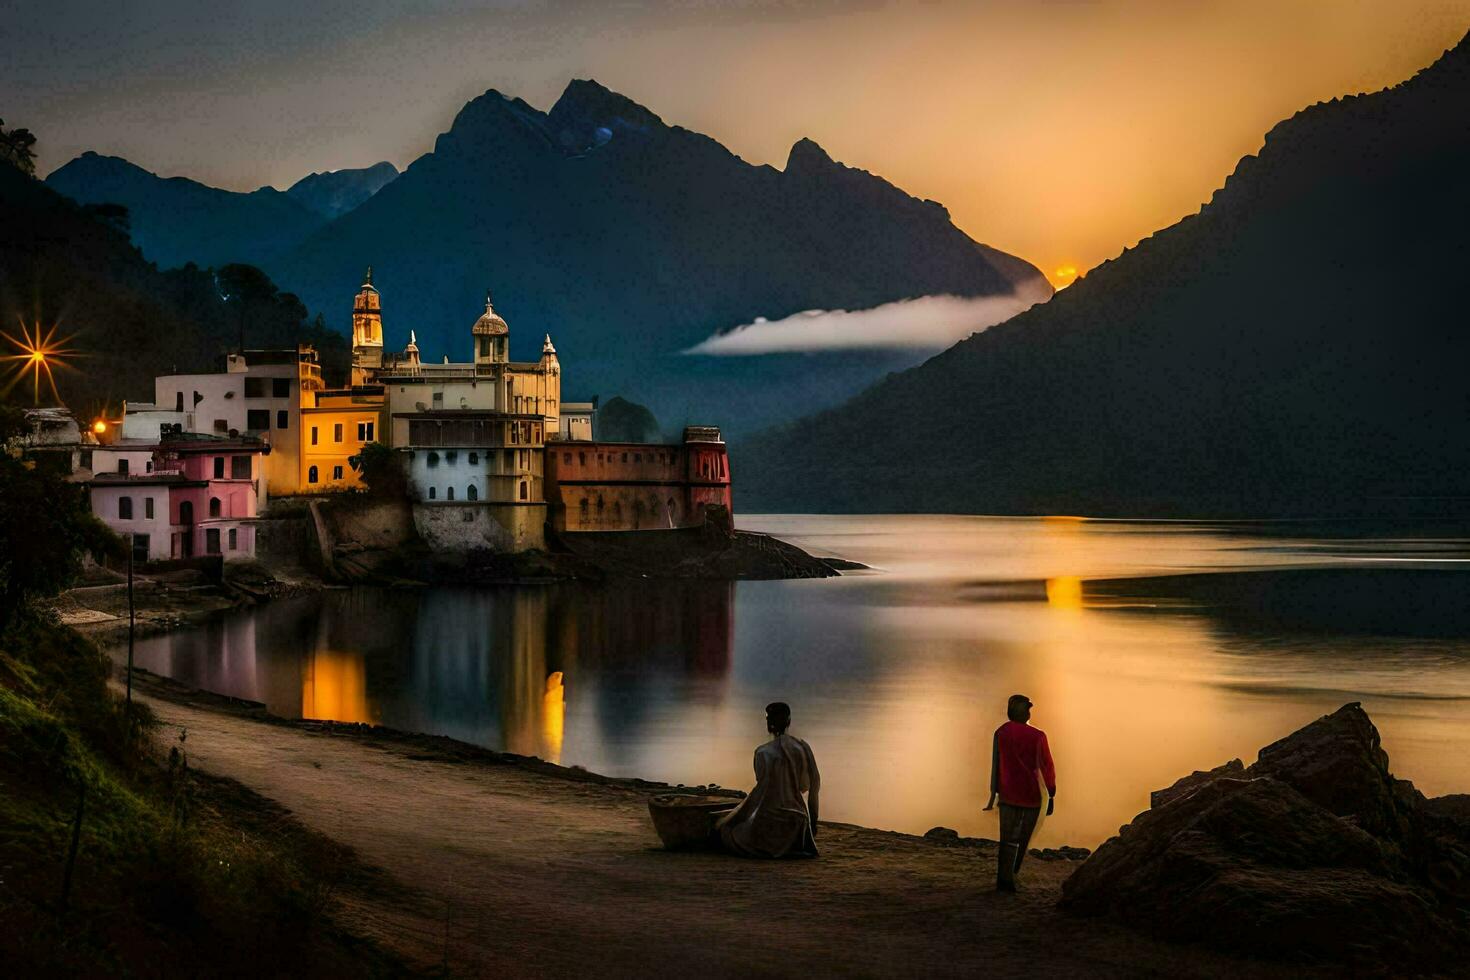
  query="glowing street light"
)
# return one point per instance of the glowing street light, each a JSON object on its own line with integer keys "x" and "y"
{"x": 38, "y": 355}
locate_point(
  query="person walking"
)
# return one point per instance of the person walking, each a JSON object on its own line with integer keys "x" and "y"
{"x": 1017, "y": 753}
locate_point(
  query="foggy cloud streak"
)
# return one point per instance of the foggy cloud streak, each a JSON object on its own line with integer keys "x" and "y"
{"x": 925, "y": 322}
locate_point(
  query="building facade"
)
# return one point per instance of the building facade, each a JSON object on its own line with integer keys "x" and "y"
{"x": 614, "y": 486}
{"x": 259, "y": 394}
{"x": 200, "y": 495}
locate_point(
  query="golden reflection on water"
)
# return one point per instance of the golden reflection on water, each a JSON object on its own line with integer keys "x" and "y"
{"x": 553, "y": 716}
{"x": 334, "y": 687}
{"x": 1064, "y": 592}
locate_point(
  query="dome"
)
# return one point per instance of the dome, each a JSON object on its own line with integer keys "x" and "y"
{"x": 490, "y": 322}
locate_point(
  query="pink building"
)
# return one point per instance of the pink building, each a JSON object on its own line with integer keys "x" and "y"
{"x": 202, "y": 498}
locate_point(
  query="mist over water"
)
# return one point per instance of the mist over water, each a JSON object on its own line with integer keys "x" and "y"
{"x": 1150, "y": 650}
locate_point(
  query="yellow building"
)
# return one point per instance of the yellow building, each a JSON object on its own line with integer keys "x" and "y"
{"x": 335, "y": 425}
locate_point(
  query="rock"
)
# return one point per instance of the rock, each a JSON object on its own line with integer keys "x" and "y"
{"x": 942, "y": 834}
{"x": 1193, "y": 781}
{"x": 1314, "y": 853}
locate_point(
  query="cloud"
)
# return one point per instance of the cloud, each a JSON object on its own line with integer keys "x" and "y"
{"x": 933, "y": 322}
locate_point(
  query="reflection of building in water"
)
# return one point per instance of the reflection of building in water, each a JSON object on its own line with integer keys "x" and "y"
{"x": 553, "y": 716}
{"x": 1064, "y": 592}
{"x": 334, "y": 687}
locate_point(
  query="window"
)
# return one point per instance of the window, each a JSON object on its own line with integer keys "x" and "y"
{"x": 214, "y": 507}
{"x": 140, "y": 548}
{"x": 234, "y": 540}
{"x": 122, "y": 466}
{"x": 239, "y": 467}
{"x": 221, "y": 425}
{"x": 583, "y": 508}
{"x": 258, "y": 419}
{"x": 86, "y": 459}
{"x": 254, "y": 387}
{"x": 566, "y": 458}
{"x": 211, "y": 541}
{"x": 283, "y": 419}
{"x": 148, "y": 466}
{"x": 451, "y": 456}
{"x": 219, "y": 467}
{"x": 471, "y": 493}
{"x": 178, "y": 401}
{"x": 581, "y": 459}
{"x": 432, "y": 459}
{"x": 523, "y": 490}
{"x": 637, "y": 457}
{"x": 186, "y": 512}
{"x": 474, "y": 459}
{"x": 148, "y": 507}
{"x": 431, "y": 493}
{"x": 364, "y": 432}
{"x": 336, "y": 472}
{"x": 625, "y": 457}
{"x": 311, "y": 474}
{"x": 448, "y": 493}
{"x": 281, "y": 387}
{"x": 125, "y": 508}
{"x": 337, "y": 432}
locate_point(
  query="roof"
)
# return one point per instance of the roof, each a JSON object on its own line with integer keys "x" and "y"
{"x": 145, "y": 479}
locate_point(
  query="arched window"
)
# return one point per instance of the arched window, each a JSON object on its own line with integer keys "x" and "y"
{"x": 448, "y": 493}
{"x": 311, "y": 474}
{"x": 523, "y": 491}
{"x": 599, "y": 505}
{"x": 213, "y": 506}
{"x": 433, "y": 458}
{"x": 432, "y": 493}
{"x": 471, "y": 493}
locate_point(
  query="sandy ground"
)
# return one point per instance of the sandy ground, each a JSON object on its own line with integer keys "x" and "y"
{"x": 508, "y": 872}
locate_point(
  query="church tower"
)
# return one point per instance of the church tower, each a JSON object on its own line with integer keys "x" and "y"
{"x": 492, "y": 338}
{"x": 367, "y": 333}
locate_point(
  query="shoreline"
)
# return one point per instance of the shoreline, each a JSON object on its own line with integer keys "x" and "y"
{"x": 429, "y": 747}
{"x": 497, "y": 864}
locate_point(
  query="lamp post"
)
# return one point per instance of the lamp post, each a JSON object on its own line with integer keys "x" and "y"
{"x": 131, "y": 622}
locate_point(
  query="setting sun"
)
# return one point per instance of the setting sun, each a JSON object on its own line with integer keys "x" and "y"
{"x": 1064, "y": 276}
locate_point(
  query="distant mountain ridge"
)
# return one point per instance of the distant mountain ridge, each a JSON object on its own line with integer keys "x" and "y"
{"x": 627, "y": 239}
{"x": 1297, "y": 348}
{"x": 335, "y": 192}
{"x": 176, "y": 220}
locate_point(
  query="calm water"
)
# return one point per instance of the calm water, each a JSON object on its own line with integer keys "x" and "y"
{"x": 1140, "y": 669}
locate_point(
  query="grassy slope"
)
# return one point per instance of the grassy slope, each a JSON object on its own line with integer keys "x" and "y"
{"x": 176, "y": 873}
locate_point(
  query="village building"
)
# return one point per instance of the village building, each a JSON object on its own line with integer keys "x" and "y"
{"x": 259, "y": 394}
{"x": 577, "y": 420}
{"x": 194, "y": 495}
{"x": 617, "y": 486}
{"x": 54, "y": 441}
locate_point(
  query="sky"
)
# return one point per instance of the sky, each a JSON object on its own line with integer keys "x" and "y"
{"x": 1062, "y": 131}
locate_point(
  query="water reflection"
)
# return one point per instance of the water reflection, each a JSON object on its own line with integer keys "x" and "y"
{"x": 1142, "y": 667}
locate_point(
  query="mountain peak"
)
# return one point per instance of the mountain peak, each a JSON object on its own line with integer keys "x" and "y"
{"x": 808, "y": 157}
{"x": 589, "y": 114}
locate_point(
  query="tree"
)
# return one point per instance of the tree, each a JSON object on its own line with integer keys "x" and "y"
{"x": 17, "y": 148}
{"x": 45, "y": 525}
{"x": 381, "y": 470}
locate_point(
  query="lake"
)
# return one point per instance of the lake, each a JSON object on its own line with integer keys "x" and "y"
{"x": 1149, "y": 649}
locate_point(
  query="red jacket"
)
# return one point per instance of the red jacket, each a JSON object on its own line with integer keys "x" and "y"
{"x": 1017, "y": 754}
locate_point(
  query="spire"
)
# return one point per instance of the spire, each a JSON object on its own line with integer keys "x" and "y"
{"x": 546, "y": 347}
{"x": 413, "y": 341}
{"x": 368, "y": 279}
{"x": 488, "y": 307}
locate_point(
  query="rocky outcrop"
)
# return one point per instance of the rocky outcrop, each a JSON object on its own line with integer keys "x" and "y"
{"x": 1314, "y": 853}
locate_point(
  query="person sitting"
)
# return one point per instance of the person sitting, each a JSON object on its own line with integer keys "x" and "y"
{"x": 774, "y": 821}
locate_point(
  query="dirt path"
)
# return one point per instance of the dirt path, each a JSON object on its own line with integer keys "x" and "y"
{"x": 517, "y": 873}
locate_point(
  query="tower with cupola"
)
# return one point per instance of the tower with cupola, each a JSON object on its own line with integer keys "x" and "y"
{"x": 367, "y": 332}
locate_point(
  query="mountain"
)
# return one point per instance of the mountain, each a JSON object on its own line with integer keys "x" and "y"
{"x": 175, "y": 220}
{"x": 335, "y": 192}
{"x": 1298, "y": 347}
{"x": 72, "y": 267}
{"x": 629, "y": 241}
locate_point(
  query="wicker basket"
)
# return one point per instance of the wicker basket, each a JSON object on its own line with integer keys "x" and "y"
{"x": 686, "y": 822}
